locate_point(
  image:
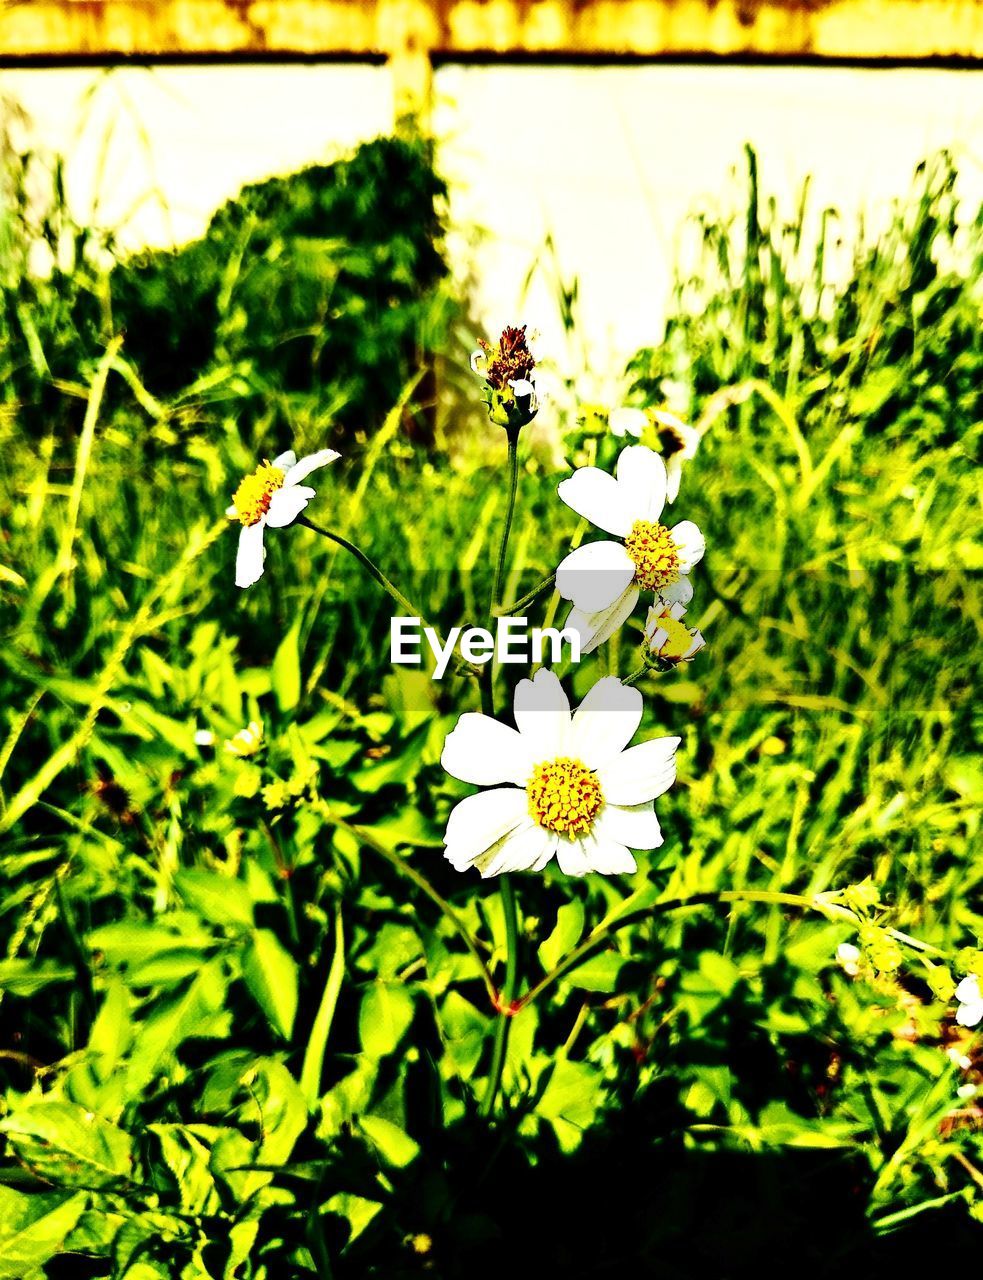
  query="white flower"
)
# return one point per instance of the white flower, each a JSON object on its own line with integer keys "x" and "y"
{"x": 603, "y": 579}
{"x": 970, "y": 998}
{"x": 677, "y": 442}
{"x": 561, "y": 785}
{"x": 849, "y": 956}
{"x": 247, "y": 742}
{"x": 668, "y": 638}
{"x": 271, "y": 496}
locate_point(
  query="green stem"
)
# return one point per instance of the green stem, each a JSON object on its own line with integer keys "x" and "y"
{"x": 506, "y": 1002}
{"x": 366, "y": 838}
{"x": 313, "y": 1067}
{"x": 507, "y": 996}
{"x": 509, "y": 610}
{"x": 832, "y": 911}
{"x": 409, "y": 609}
{"x": 509, "y": 510}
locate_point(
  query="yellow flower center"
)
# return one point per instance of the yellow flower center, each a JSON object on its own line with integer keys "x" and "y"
{"x": 252, "y": 499}
{"x": 655, "y": 554}
{"x": 564, "y": 796}
{"x": 678, "y": 637}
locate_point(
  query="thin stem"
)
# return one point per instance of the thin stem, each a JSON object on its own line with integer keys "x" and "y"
{"x": 507, "y": 610}
{"x": 831, "y": 910}
{"x": 506, "y": 999}
{"x": 409, "y": 609}
{"x": 422, "y": 883}
{"x": 509, "y": 509}
{"x": 285, "y": 872}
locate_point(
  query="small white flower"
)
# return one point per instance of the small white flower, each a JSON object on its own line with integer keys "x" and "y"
{"x": 247, "y": 742}
{"x": 560, "y": 785}
{"x": 677, "y": 442}
{"x": 204, "y": 738}
{"x": 604, "y": 579}
{"x": 970, "y": 998}
{"x": 271, "y": 496}
{"x": 848, "y": 956}
{"x": 670, "y": 639}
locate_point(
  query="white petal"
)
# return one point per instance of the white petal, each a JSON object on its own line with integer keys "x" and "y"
{"x": 641, "y": 773}
{"x": 690, "y": 544}
{"x": 528, "y": 848}
{"x": 250, "y": 555}
{"x": 674, "y": 473}
{"x": 968, "y": 991}
{"x": 678, "y": 592}
{"x": 642, "y": 481}
{"x": 633, "y": 825}
{"x": 232, "y": 511}
{"x": 628, "y": 421}
{"x": 287, "y": 504}
{"x": 595, "y": 628}
{"x": 605, "y": 722}
{"x": 478, "y": 822}
{"x": 968, "y": 1015}
{"x": 522, "y": 386}
{"x": 572, "y": 857}
{"x": 485, "y": 751}
{"x": 594, "y": 576}
{"x": 478, "y": 360}
{"x": 300, "y": 470}
{"x": 542, "y": 714}
{"x": 595, "y": 495}
{"x": 607, "y": 856}
{"x": 285, "y": 460}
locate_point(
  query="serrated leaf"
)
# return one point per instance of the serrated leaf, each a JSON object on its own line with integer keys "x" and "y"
{"x": 33, "y": 1229}
{"x": 68, "y": 1145}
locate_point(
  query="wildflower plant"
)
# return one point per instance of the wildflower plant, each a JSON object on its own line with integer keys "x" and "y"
{"x": 571, "y": 788}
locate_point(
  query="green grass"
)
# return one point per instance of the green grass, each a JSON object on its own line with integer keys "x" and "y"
{"x": 248, "y": 1042}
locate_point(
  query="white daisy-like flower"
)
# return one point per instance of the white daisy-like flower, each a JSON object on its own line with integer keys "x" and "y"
{"x": 970, "y": 998}
{"x": 272, "y": 496}
{"x": 559, "y": 785}
{"x": 677, "y": 440}
{"x": 604, "y": 579}
{"x": 670, "y": 639}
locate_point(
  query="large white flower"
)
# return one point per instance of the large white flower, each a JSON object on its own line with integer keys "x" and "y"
{"x": 677, "y": 440}
{"x": 970, "y": 998}
{"x": 271, "y": 496}
{"x": 604, "y": 579}
{"x": 561, "y": 785}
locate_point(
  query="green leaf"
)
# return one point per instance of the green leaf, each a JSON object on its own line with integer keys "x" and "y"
{"x": 395, "y": 1146}
{"x": 217, "y": 899}
{"x": 570, "y": 1101}
{"x": 565, "y": 936}
{"x": 384, "y": 1017}
{"x": 286, "y": 669}
{"x": 599, "y": 973}
{"x": 68, "y": 1145}
{"x": 33, "y": 1229}
{"x": 24, "y": 977}
{"x": 271, "y": 976}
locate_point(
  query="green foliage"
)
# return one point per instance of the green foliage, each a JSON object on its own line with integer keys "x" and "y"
{"x": 244, "y": 1035}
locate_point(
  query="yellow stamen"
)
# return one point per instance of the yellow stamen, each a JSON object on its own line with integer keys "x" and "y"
{"x": 655, "y": 554}
{"x": 564, "y": 796}
{"x": 252, "y": 499}
{"x": 679, "y": 638}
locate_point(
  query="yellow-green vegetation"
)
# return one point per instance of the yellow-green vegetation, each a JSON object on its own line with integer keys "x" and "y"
{"x": 248, "y": 1011}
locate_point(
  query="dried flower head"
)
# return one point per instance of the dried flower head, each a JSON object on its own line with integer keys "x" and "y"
{"x": 507, "y": 370}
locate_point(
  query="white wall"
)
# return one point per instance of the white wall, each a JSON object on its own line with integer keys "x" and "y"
{"x": 607, "y": 159}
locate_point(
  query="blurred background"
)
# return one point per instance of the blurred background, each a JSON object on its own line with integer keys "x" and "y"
{"x": 593, "y": 128}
